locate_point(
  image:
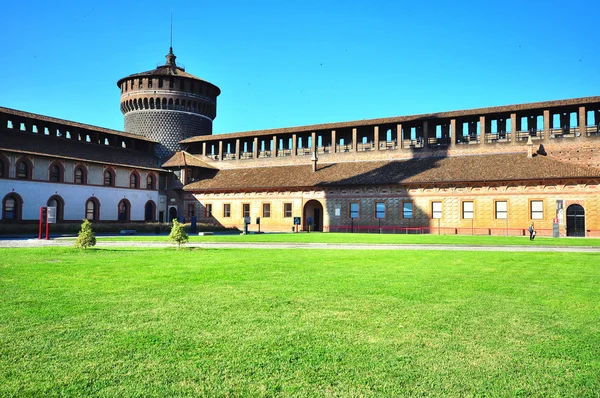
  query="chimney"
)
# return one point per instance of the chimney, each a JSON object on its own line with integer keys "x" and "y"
{"x": 529, "y": 147}
{"x": 314, "y": 160}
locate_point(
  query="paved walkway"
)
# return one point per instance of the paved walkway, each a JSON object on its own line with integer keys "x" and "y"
{"x": 318, "y": 246}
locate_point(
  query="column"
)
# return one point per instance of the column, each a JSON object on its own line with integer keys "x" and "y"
{"x": 425, "y": 133}
{"x": 204, "y": 148}
{"x": 237, "y": 149}
{"x": 582, "y": 122}
{"x": 482, "y": 129}
{"x": 354, "y": 139}
{"x": 376, "y": 137}
{"x": 220, "y": 154}
{"x": 513, "y": 128}
{"x": 546, "y": 125}
{"x": 399, "y": 137}
{"x": 452, "y": 133}
{"x": 294, "y": 144}
{"x": 274, "y": 143}
{"x": 255, "y": 148}
{"x": 333, "y": 142}
{"x": 313, "y": 141}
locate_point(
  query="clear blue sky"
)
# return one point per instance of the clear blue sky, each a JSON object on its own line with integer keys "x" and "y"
{"x": 289, "y": 63}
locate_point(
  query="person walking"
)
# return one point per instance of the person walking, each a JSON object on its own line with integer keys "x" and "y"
{"x": 531, "y": 232}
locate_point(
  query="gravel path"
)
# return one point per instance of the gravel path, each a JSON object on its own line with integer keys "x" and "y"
{"x": 319, "y": 246}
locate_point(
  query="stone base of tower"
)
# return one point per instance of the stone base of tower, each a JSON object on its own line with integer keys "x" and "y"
{"x": 168, "y": 127}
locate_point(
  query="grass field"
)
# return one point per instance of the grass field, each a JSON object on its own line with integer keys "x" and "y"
{"x": 167, "y": 322}
{"x": 375, "y": 238}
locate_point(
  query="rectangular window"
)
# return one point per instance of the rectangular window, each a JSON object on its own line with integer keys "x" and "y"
{"x": 407, "y": 210}
{"x": 246, "y": 210}
{"x": 436, "y": 209}
{"x": 287, "y": 210}
{"x": 537, "y": 209}
{"x": 353, "y": 210}
{"x": 379, "y": 210}
{"x": 160, "y": 82}
{"x": 501, "y": 210}
{"x": 226, "y": 210}
{"x": 191, "y": 210}
{"x": 467, "y": 210}
{"x": 208, "y": 210}
{"x": 150, "y": 83}
{"x": 266, "y": 210}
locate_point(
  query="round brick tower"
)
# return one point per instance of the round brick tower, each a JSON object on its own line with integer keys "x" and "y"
{"x": 168, "y": 104}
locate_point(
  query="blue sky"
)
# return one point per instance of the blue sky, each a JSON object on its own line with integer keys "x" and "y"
{"x": 290, "y": 63}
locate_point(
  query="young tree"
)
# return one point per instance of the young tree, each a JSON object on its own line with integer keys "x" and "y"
{"x": 86, "y": 236}
{"x": 178, "y": 234}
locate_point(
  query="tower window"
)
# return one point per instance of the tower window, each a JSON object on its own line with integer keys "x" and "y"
{"x": 150, "y": 83}
{"x": 160, "y": 82}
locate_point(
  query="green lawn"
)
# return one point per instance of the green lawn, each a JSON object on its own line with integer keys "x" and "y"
{"x": 375, "y": 238}
{"x": 167, "y": 322}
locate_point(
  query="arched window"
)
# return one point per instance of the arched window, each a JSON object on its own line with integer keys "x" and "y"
{"x": 3, "y": 167}
{"x": 23, "y": 169}
{"x": 80, "y": 175}
{"x": 123, "y": 210}
{"x": 58, "y": 202}
{"x": 150, "y": 181}
{"x": 109, "y": 178}
{"x": 150, "y": 211}
{"x": 56, "y": 172}
{"x": 92, "y": 209}
{"x": 134, "y": 180}
{"x": 11, "y": 207}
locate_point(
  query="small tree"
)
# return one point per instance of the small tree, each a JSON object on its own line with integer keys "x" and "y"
{"x": 86, "y": 236}
{"x": 178, "y": 234}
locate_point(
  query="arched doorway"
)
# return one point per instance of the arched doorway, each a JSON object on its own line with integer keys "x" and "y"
{"x": 58, "y": 202}
{"x": 123, "y": 209}
{"x": 313, "y": 209}
{"x": 575, "y": 220}
{"x": 172, "y": 214}
{"x": 149, "y": 211}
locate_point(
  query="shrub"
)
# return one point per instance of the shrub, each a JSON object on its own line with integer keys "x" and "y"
{"x": 86, "y": 236}
{"x": 178, "y": 234}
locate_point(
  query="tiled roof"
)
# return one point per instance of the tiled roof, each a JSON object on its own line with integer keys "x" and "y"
{"x": 182, "y": 159}
{"x": 42, "y": 145}
{"x": 63, "y": 122}
{"x": 479, "y": 168}
{"x": 167, "y": 70}
{"x": 400, "y": 119}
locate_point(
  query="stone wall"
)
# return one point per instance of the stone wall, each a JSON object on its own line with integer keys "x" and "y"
{"x": 168, "y": 127}
{"x": 336, "y": 202}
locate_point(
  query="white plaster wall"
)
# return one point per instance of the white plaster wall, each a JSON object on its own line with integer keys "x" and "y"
{"x": 36, "y": 194}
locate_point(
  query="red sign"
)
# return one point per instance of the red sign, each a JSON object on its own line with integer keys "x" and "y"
{"x": 555, "y": 220}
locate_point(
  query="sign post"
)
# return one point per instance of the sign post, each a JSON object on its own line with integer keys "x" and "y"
{"x": 297, "y": 221}
{"x": 47, "y": 217}
{"x": 309, "y": 221}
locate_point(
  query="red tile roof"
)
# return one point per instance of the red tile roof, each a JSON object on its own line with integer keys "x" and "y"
{"x": 42, "y": 145}
{"x": 183, "y": 159}
{"x": 457, "y": 169}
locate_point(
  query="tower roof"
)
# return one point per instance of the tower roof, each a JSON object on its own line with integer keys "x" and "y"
{"x": 170, "y": 68}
